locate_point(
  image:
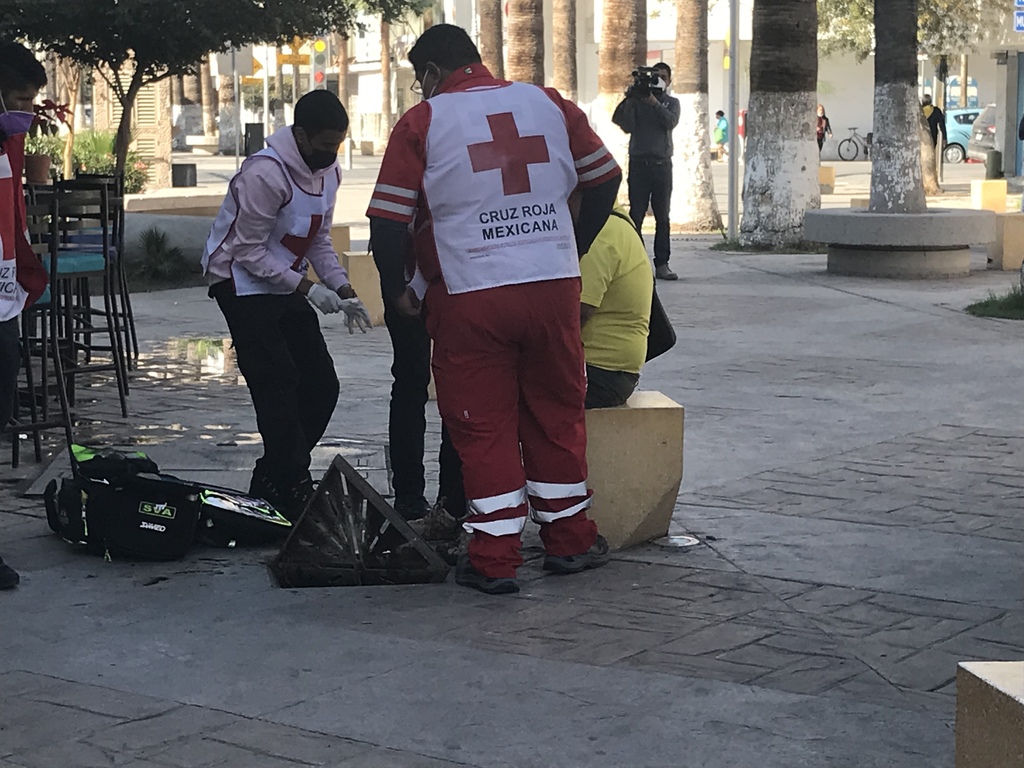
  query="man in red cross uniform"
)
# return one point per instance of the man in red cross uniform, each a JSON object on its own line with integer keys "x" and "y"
{"x": 490, "y": 165}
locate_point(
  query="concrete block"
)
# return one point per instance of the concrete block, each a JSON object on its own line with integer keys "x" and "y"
{"x": 366, "y": 147}
{"x": 827, "y": 179}
{"x": 990, "y": 714}
{"x": 988, "y": 195}
{"x": 362, "y": 273}
{"x": 635, "y": 458}
{"x": 1007, "y": 251}
{"x": 203, "y": 145}
{"x": 175, "y": 202}
{"x": 860, "y": 202}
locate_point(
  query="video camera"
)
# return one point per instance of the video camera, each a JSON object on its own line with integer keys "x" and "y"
{"x": 646, "y": 81}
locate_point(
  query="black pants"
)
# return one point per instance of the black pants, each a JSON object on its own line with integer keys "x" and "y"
{"x": 407, "y": 423}
{"x": 10, "y": 363}
{"x": 608, "y": 389}
{"x": 650, "y": 183}
{"x": 290, "y": 375}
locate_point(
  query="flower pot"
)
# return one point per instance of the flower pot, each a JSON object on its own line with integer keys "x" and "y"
{"x": 37, "y": 169}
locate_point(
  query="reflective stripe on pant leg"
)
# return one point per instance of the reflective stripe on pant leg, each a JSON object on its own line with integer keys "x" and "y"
{"x": 554, "y": 501}
{"x": 501, "y": 515}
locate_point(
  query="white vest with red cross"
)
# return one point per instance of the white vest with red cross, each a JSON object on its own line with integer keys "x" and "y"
{"x": 298, "y": 222}
{"x": 498, "y": 173}
{"x": 12, "y": 295}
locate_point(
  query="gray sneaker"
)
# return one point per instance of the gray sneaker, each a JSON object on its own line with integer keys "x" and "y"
{"x": 594, "y": 557}
{"x": 468, "y": 576}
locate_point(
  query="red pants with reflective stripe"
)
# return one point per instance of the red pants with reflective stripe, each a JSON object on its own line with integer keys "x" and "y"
{"x": 509, "y": 371}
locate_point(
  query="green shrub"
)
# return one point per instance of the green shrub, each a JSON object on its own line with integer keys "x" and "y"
{"x": 160, "y": 262}
{"x": 1009, "y": 306}
{"x": 94, "y": 153}
{"x": 46, "y": 144}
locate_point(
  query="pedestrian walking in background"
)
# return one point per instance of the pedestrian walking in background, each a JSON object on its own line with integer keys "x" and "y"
{"x": 824, "y": 127}
{"x": 936, "y": 120}
{"x": 721, "y": 134}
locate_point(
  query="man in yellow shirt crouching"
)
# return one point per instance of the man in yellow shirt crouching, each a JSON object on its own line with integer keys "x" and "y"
{"x": 615, "y": 311}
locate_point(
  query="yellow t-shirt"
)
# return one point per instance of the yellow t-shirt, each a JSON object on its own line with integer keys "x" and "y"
{"x": 619, "y": 282}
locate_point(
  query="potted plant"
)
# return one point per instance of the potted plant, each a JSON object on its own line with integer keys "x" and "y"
{"x": 43, "y": 145}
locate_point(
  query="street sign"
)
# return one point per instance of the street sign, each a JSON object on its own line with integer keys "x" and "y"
{"x": 295, "y": 59}
{"x": 1019, "y": 3}
{"x": 1018, "y": 21}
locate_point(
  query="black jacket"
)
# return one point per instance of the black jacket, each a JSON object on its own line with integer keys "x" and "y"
{"x": 649, "y": 126}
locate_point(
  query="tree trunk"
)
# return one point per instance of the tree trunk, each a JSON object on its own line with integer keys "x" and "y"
{"x": 191, "y": 91}
{"x": 526, "y": 41}
{"x": 616, "y": 59}
{"x": 492, "y": 49}
{"x": 781, "y": 179}
{"x": 341, "y": 62}
{"x": 178, "y": 91}
{"x": 385, "y": 74}
{"x": 694, "y": 207}
{"x": 964, "y": 77}
{"x": 640, "y": 55}
{"x": 226, "y": 112}
{"x": 70, "y": 73}
{"x": 563, "y": 29}
{"x": 279, "y": 88}
{"x": 428, "y": 17}
{"x": 209, "y": 99}
{"x": 897, "y": 155}
{"x": 123, "y": 137}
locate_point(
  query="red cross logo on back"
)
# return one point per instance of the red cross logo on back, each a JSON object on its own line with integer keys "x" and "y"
{"x": 510, "y": 153}
{"x": 299, "y": 245}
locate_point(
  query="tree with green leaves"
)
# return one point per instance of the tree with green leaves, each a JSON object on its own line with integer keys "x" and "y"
{"x": 134, "y": 43}
{"x": 943, "y": 26}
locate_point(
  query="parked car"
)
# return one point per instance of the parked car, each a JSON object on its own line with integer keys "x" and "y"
{"x": 983, "y": 134}
{"x": 958, "y": 133}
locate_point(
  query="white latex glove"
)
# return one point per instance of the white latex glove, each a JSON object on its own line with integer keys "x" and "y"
{"x": 324, "y": 299}
{"x": 355, "y": 315}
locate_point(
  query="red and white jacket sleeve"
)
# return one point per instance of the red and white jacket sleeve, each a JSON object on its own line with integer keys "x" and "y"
{"x": 594, "y": 163}
{"x": 397, "y": 193}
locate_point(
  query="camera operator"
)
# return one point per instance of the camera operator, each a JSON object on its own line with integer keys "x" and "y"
{"x": 649, "y": 114}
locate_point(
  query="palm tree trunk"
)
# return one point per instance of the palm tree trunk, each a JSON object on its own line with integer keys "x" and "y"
{"x": 279, "y": 88}
{"x": 563, "y": 23}
{"x": 385, "y": 74}
{"x": 781, "y": 179}
{"x": 896, "y": 184}
{"x": 209, "y": 99}
{"x": 640, "y": 56}
{"x": 616, "y": 60}
{"x": 694, "y": 207}
{"x": 70, "y": 74}
{"x": 492, "y": 49}
{"x": 526, "y": 41}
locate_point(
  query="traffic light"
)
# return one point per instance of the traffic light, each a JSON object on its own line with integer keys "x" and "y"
{"x": 319, "y": 63}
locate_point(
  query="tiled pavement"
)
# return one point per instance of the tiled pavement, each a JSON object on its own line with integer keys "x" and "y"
{"x": 861, "y": 538}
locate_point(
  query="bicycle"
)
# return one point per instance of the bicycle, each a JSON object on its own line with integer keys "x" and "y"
{"x": 850, "y": 148}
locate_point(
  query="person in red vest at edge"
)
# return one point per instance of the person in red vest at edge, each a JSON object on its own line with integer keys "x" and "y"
{"x": 274, "y": 222}
{"x": 22, "y": 276}
{"x": 491, "y": 164}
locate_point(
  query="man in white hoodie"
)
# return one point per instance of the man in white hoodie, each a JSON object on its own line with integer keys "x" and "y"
{"x": 274, "y": 222}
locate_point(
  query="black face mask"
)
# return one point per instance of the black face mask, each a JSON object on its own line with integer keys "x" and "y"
{"x": 319, "y": 159}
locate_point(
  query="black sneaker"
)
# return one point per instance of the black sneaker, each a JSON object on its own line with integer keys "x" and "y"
{"x": 9, "y": 577}
{"x": 414, "y": 508}
{"x": 290, "y": 502}
{"x": 594, "y": 557}
{"x": 467, "y": 576}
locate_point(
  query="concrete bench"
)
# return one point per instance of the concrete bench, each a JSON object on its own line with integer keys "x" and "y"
{"x": 988, "y": 195}
{"x": 635, "y": 457}
{"x": 1007, "y": 251}
{"x": 990, "y": 714}
{"x": 827, "y": 179}
{"x": 860, "y": 202}
{"x": 175, "y": 202}
{"x": 362, "y": 273}
{"x": 203, "y": 145}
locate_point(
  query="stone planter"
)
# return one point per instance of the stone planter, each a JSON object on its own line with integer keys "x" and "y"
{"x": 909, "y": 246}
{"x": 37, "y": 169}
